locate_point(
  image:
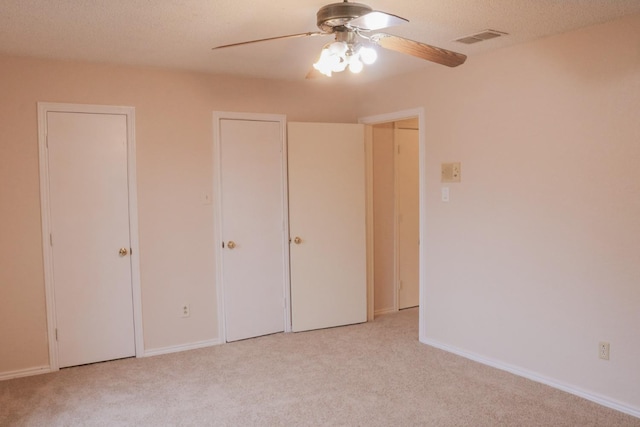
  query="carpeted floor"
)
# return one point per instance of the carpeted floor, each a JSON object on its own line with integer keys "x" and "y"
{"x": 373, "y": 374}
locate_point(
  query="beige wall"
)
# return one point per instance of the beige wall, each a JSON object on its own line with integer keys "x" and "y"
{"x": 383, "y": 218}
{"x": 174, "y": 166}
{"x": 536, "y": 258}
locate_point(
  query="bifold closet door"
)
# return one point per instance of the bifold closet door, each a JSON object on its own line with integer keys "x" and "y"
{"x": 252, "y": 211}
{"x": 327, "y": 214}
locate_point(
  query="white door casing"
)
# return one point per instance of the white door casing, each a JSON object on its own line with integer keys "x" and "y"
{"x": 88, "y": 204}
{"x": 253, "y": 270}
{"x": 327, "y": 213}
{"x": 407, "y": 216}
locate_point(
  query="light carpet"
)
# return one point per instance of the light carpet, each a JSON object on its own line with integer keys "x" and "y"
{"x": 372, "y": 374}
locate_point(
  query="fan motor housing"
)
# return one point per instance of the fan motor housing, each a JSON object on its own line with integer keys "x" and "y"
{"x": 336, "y": 15}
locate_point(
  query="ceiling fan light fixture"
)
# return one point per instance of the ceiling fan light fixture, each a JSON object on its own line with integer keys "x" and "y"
{"x": 322, "y": 65}
{"x": 368, "y": 55}
{"x": 332, "y": 59}
{"x": 338, "y": 48}
{"x": 355, "y": 65}
{"x": 337, "y": 56}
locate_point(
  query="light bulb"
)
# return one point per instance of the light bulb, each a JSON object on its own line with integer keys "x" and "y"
{"x": 340, "y": 66}
{"x": 324, "y": 64}
{"x": 355, "y": 66}
{"x": 323, "y": 70}
{"x": 323, "y": 57}
{"x": 368, "y": 55}
{"x": 338, "y": 48}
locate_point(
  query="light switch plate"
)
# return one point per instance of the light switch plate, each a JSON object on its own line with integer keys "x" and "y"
{"x": 445, "y": 194}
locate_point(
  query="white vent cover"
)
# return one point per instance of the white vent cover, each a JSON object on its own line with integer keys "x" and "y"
{"x": 481, "y": 36}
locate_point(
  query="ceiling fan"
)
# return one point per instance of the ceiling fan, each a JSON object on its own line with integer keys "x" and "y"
{"x": 352, "y": 24}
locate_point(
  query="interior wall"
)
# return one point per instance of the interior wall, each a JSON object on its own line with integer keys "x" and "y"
{"x": 174, "y": 167}
{"x": 383, "y": 219}
{"x": 536, "y": 258}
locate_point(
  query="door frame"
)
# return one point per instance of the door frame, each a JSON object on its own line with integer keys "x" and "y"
{"x": 47, "y": 251}
{"x": 217, "y": 212}
{"x": 385, "y": 118}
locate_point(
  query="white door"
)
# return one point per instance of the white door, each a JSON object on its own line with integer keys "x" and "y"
{"x": 253, "y": 227}
{"x": 408, "y": 216}
{"x": 327, "y": 225}
{"x": 89, "y": 214}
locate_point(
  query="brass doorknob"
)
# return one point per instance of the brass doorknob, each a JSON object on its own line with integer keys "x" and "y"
{"x": 231, "y": 244}
{"x": 123, "y": 251}
{"x": 297, "y": 240}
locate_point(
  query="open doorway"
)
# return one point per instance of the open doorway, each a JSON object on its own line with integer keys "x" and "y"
{"x": 395, "y": 173}
{"x": 395, "y": 215}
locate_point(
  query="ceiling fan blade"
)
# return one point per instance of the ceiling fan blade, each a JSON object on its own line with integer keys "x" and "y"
{"x": 419, "y": 50}
{"x": 290, "y": 36}
{"x": 376, "y": 20}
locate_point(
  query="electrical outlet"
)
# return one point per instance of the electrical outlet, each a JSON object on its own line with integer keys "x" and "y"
{"x": 603, "y": 350}
{"x": 186, "y": 310}
{"x": 205, "y": 198}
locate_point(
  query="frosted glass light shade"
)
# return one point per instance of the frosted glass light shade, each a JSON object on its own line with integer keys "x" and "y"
{"x": 355, "y": 66}
{"x": 368, "y": 55}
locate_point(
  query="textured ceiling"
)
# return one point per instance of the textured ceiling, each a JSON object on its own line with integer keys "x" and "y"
{"x": 181, "y": 33}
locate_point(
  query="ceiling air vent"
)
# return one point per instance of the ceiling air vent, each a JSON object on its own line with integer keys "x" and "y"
{"x": 481, "y": 36}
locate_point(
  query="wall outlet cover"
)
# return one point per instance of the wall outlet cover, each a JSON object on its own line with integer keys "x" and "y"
{"x": 603, "y": 350}
{"x": 185, "y": 310}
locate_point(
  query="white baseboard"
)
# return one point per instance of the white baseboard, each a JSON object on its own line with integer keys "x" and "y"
{"x": 152, "y": 352}
{"x": 182, "y": 347}
{"x": 594, "y": 397}
{"x": 25, "y": 372}
{"x": 384, "y": 311}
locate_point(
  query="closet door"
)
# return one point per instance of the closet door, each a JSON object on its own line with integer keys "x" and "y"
{"x": 327, "y": 224}
{"x": 408, "y": 216}
{"x": 252, "y": 222}
{"x": 90, "y": 236}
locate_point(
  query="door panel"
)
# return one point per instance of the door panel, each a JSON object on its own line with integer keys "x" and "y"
{"x": 407, "y": 188}
{"x": 89, "y": 212}
{"x": 327, "y": 212}
{"x": 253, "y": 218}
